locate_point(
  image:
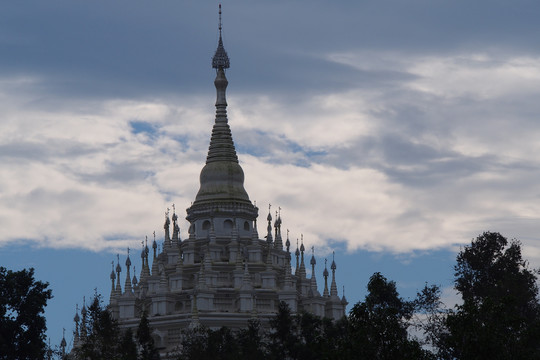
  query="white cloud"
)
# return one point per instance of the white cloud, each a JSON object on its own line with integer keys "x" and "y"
{"x": 423, "y": 166}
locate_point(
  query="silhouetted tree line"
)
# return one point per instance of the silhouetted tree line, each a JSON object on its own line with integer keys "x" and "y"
{"x": 105, "y": 340}
{"x": 499, "y": 318}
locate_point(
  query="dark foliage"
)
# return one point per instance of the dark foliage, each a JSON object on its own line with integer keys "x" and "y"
{"x": 378, "y": 326}
{"x": 22, "y": 325}
{"x": 500, "y": 314}
{"x": 104, "y": 339}
{"x": 148, "y": 350}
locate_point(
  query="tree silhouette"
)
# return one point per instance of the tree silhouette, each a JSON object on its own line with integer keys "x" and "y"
{"x": 500, "y": 314}
{"x": 22, "y": 325}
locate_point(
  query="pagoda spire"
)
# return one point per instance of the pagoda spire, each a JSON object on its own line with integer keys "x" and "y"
{"x": 313, "y": 262}
{"x": 325, "y": 275}
{"x": 167, "y": 240}
{"x": 118, "y": 271}
{"x": 222, "y": 178}
{"x": 127, "y": 284}
{"x": 302, "y": 265}
{"x": 333, "y": 286}
{"x": 220, "y": 59}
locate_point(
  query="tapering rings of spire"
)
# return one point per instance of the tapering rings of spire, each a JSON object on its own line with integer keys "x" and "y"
{"x": 222, "y": 178}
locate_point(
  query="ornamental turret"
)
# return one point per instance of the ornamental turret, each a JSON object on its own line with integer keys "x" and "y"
{"x": 302, "y": 265}
{"x": 127, "y": 284}
{"x": 166, "y": 226}
{"x": 333, "y": 286}
{"x": 118, "y": 271}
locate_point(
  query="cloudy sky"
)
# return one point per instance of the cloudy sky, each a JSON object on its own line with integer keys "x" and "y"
{"x": 392, "y": 132}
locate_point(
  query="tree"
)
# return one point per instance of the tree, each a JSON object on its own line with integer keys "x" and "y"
{"x": 22, "y": 327}
{"x": 500, "y": 314}
{"x": 430, "y": 315}
{"x": 378, "y": 326}
{"x": 128, "y": 348}
{"x": 195, "y": 344}
{"x": 104, "y": 339}
{"x": 283, "y": 337}
{"x": 145, "y": 340}
{"x": 250, "y": 341}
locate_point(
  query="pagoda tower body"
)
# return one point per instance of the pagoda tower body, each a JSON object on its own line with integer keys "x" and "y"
{"x": 222, "y": 274}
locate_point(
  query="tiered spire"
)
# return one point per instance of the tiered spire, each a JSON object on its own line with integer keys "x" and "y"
{"x": 76, "y": 319}
{"x": 297, "y": 254}
{"x": 134, "y": 282}
{"x": 118, "y": 271}
{"x": 269, "y": 239}
{"x": 325, "y": 275}
{"x": 278, "y": 244}
{"x": 113, "y": 277}
{"x": 302, "y": 265}
{"x": 333, "y": 287}
{"x": 176, "y": 228}
{"x": 63, "y": 344}
{"x": 83, "y": 332}
{"x": 166, "y": 226}
{"x": 154, "y": 260}
{"x": 127, "y": 284}
{"x": 313, "y": 279}
{"x": 222, "y": 178}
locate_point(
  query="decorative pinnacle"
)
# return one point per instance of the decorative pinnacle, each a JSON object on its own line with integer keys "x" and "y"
{"x": 220, "y": 59}
{"x": 128, "y": 261}
{"x": 219, "y": 19}
{"x": 118, "y": 268}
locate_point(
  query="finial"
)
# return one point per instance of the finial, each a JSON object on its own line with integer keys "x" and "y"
{"x": 219, "y": 19}
{"x": 167, "y": 212}
{"x": 112, "y": 271}
{"x": 173, "y": 209}
{"x": 128, "y": 261}
{"x": 220, "y": 59}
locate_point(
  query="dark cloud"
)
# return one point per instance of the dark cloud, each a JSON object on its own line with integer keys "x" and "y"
{"x": 44, "y": 151}
{"x": 126, "y": 49}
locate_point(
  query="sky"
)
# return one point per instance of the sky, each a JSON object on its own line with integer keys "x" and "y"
{"x": 391, "y": 132}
